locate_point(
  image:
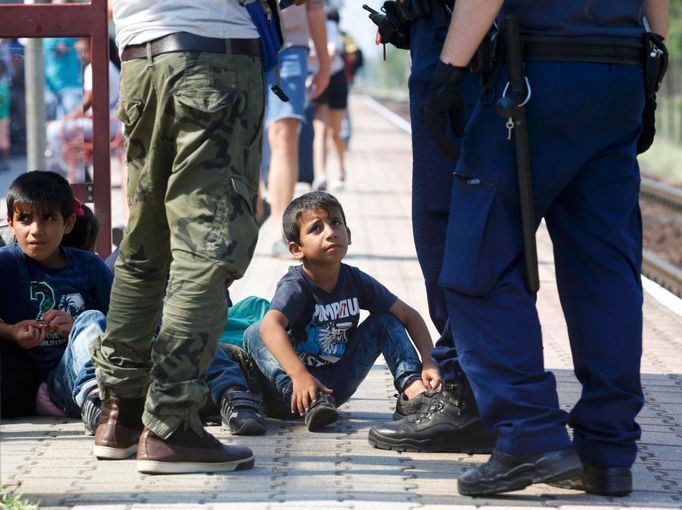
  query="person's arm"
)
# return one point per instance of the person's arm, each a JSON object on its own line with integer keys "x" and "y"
{"x": 317, "y": 25}
{"x": 419, "y": 333}
{"x": 27, "y": 334}
{"x": 471, "y": 20}
{"x": 305, "y": 386}
{"x": 656, "y": 12}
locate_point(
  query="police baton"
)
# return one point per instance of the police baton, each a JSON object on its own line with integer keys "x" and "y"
{"x": 512, "y": 106}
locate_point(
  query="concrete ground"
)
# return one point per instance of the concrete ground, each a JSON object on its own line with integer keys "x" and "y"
{"x": 50, "y": 460}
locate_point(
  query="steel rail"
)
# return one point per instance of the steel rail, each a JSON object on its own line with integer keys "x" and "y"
{"x": 661, "y": 192}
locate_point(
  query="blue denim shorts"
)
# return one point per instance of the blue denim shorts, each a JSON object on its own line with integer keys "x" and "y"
{"x": 293, "y": 70}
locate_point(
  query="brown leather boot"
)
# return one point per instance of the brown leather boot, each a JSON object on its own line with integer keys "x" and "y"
{"x": 120, "y": 426}
{"x": 187, "y": 452}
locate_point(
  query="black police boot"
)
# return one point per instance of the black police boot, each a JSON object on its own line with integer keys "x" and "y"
{"x": 505, "y": 472}
{"x": 405, "y": 407}
{"x": 450, "y": 423}
{"x": 603, "y": 481}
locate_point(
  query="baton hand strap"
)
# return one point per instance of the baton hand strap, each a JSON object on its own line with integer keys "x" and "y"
{"x": 444, "y": 104}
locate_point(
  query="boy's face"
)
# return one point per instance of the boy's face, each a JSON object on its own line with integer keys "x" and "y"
{"x": 324, "y": 237}
{"x": 39, "y": 234}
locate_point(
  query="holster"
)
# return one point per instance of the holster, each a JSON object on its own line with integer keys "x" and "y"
{"x": 655, "y": 65}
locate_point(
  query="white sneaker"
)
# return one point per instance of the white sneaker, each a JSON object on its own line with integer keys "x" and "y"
{"x": 338, "y": 185}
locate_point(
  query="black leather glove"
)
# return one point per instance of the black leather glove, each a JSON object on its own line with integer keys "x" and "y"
{"x": 444, "y": 103}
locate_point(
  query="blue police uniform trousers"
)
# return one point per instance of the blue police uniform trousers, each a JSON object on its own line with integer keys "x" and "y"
{"x": 431, "y": 184}
{"x": 583, "y": 121}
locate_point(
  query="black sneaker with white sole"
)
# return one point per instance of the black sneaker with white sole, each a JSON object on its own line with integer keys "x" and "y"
{"x": 90, "y": 413}
{"x": 242, "y": 413}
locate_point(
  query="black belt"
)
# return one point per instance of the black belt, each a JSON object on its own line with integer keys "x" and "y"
{"x": 599, "y": 50}
{"x": 183, "y": 41}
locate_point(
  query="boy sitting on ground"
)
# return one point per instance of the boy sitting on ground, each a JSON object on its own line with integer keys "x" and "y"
{"x": 48, "y": 294}
{"x": 53, "y": 301}
{"x": 310, "y": 346}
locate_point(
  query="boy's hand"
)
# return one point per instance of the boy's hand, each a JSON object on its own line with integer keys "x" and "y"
{"x": 305, "y": 388}
{"x": 29, "y": 334}
{"x": 431, "y": 376}
{"x": 58, "y": 322}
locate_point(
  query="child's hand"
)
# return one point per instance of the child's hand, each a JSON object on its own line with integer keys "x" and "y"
{"x": 305, "y": 388}
{"x": 29, "y": 334}
{"x": 431, "y": 376}
{"x": 58, "y": 322}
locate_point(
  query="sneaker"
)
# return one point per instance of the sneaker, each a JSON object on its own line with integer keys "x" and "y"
{"x": 90, "y": 413}
{"x": 280, "y": 250}
{"x": 603, "y": 481}
{"x": 448, "y": 424}
{"x": 119, "y": 429}
{"x": 320, "y": 185}
{"x": 241, "y": 413}
{"x": 405, "y": 407}
{"x": 505, "y": 472}
{"x": 185, "y": 451}
{"x": 338, "y": 185}
{"x": 321, "y": 413}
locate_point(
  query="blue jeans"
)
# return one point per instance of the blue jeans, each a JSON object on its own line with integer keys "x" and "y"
{"x": 72, "y": 379}
{"x": 223, "y": 373}
{"x": 70, "y": 382}
{"x": 378, "y": 334}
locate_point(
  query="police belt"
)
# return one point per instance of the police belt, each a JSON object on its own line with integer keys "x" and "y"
{"x": 598, "y": 50}
{"x": 184, "y": 41}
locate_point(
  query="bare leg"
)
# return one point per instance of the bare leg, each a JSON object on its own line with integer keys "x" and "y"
{"x": 320, "y": 143}
{"x": 283, "y": 136}
{"x": 335, "y": 118}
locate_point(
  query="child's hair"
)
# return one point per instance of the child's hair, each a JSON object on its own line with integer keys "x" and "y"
{"x": 43, "y": 191}
{"x": 84, "y": 233}
{"x": 307, "y": 202}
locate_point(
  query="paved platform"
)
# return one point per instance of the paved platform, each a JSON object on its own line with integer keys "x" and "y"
{"x": 50, "y": 460}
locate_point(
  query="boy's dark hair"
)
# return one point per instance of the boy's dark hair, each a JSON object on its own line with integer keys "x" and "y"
{"x": 40, "y": 190}
{"x": 307, "y": 202}
{"x": 84, "y": 233}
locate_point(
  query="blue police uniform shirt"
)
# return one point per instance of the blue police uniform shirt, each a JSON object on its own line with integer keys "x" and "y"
{"x": 321, "y": 323}
{"x": 572, "y": 18}
{"x": 28, "y": 289}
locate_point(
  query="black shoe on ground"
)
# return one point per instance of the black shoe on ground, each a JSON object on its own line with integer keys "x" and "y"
{"x": 321, "y": 413}
{"x": 505, "y": 472}
{"x": 602, "y": 481}
{"x": 448, "y": 424}
{"x": 241, "y": 413}
{"x": 90, "y": 413}
{"x": 405, "y": 407}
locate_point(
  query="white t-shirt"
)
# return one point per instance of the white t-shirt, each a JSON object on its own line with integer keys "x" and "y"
{"x": 335, "y": 43}
{"x": 139, "y": 21}
{"x": 113, "y": 85}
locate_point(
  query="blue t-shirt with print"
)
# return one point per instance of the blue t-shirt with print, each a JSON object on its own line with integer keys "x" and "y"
{"x": 321, "y": 323}
{"x": 29, "y": 289}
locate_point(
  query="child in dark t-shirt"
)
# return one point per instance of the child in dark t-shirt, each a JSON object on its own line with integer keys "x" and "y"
{"x": 310, "y": 346}
{"x": 48, "y": 294}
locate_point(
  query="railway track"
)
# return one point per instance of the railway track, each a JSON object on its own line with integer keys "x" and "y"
{"x": 655, "y": 267}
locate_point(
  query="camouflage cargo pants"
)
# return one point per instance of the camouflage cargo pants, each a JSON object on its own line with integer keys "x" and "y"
{"x": 193, "y": 131}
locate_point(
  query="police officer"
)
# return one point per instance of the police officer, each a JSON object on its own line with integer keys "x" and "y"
{"x": 454, "y": 425}
{"x": 584, "y": 119}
